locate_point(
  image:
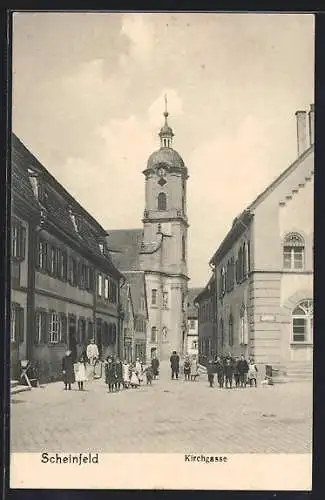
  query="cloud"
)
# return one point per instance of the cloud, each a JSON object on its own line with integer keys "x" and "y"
{"x": 140, "y": 34}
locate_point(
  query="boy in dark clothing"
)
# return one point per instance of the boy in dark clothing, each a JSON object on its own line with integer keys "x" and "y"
{"x": 174, "y": 364}
{"x": 229, "y": 372}
{"x": 211, "y": 371}
{"x": 220, "y": 372}
{"x": 242, "y": 369}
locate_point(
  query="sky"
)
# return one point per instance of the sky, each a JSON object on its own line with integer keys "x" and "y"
{"x": 88, "y": 96}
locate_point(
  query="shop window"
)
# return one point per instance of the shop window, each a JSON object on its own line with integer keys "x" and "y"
{"x": 302, "y": 322}
{"x": 293, "y": 251}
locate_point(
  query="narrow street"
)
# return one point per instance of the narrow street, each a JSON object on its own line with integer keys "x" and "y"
{"x": 167, "y": 417}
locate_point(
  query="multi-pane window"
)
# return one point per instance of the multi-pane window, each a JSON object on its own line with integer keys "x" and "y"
{"x": 192, "y": 324}
{"x": 302, "y": 322}
{"x": 154, "y": 334}
{"x": 154, "y": 297}
{"x": 42, "y": 255}
{"x": 73, "y": 271}
{"x": 165, "y": 300}
{"x": 18, "y": 240}
{"x": 243, "y": 332}
{"x": 17, "y": 323}
{"x": 106, "y": 288}
{"x": 293, "y": 251}
{"x": 100, "y": 285}
{"x": 40, "y": 327}
{"x": 54, "y": 328}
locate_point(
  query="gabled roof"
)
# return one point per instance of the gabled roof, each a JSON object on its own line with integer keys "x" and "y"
{"x": 192, "y": 293}
{"x": 126, "y": 244}
{"x": 243, "y": 220}
{"x": 207, "y": 291}
{"x": 138, "y": 289}
{"x": 57, "y": 203}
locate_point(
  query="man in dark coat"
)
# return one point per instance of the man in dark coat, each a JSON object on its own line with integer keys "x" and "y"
{"x": 229, "y": 370}
{"x": 68, "y": 370}
{"x": 174, "y": 364}
{"x": 155, "y": 367}
{"x": 242, "y": 367}
{"x": 220, "y": 371}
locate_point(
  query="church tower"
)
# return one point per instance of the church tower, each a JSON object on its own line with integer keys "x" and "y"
{"x": 163, "y": 254}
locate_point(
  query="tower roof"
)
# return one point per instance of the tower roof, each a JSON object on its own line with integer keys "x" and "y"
{"x": 165, "y": 156}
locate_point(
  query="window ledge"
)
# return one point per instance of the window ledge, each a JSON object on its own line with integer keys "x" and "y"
{"x": 305, "y": 343}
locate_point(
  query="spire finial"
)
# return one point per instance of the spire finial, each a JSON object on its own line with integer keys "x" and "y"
{"x": 166, "y": 110}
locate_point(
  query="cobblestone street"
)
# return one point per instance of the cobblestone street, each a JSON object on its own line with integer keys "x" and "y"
{"x": 169, "y": 416}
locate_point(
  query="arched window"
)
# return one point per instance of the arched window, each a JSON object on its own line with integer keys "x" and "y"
{"x": 183, "y": 249}
{"x": 162, "y": 201}
{"x": 302, "y": 322}
{"x": 222, "y": 334}
{"x": 293, "y": 251}
{"x": 243, "y": 333}
{"x": 231, "y": 330}
{"x": 154, "y": 334}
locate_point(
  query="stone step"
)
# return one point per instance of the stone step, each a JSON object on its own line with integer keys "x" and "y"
{"x": 13, "y": 383}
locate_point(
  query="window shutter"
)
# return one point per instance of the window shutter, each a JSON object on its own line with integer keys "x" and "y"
{"x": 90, "y": 329}
{"x": 20, "y": 325}
{"x": 64, "y": 324}
{"x": 22, "y": 241}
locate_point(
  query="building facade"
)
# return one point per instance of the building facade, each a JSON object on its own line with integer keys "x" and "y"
{"x": 193, "y": 322}
{"x": 159, "y": 250}
{"x": 264, "y": 268}
{"x": 64, "y": 285}
{"x": 207, "y": 314}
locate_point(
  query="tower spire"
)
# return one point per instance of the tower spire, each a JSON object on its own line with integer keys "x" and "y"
{"x": 166, "y": 133}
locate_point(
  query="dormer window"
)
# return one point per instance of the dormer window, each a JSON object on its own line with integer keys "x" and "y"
{"x": 37, "y": 186}
{"x": 74, "y": 220}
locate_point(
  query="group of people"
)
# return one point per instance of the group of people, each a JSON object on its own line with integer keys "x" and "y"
{"x": 232, "y": 371}
{"x": 190, "y": 367}
{"x": 81, "y": 369}
{"x": 120, "y": 374}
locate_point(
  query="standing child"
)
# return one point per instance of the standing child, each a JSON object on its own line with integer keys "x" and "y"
{"x": 80, "y": 371}
{"x": 126, "y": 374}
{"x": 149, "y": 374}
{"x": 252, "y": 373}
{"x": 187, "y": 368}
{"x": 134, "y": 382}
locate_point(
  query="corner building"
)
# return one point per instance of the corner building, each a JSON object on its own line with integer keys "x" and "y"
{"x": 160, "y": 248}
{"x": 264, "y": 269}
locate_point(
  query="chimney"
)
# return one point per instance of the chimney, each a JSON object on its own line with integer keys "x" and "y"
{"x": 311, "y": 122}
{"x": 301, "y": 131}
